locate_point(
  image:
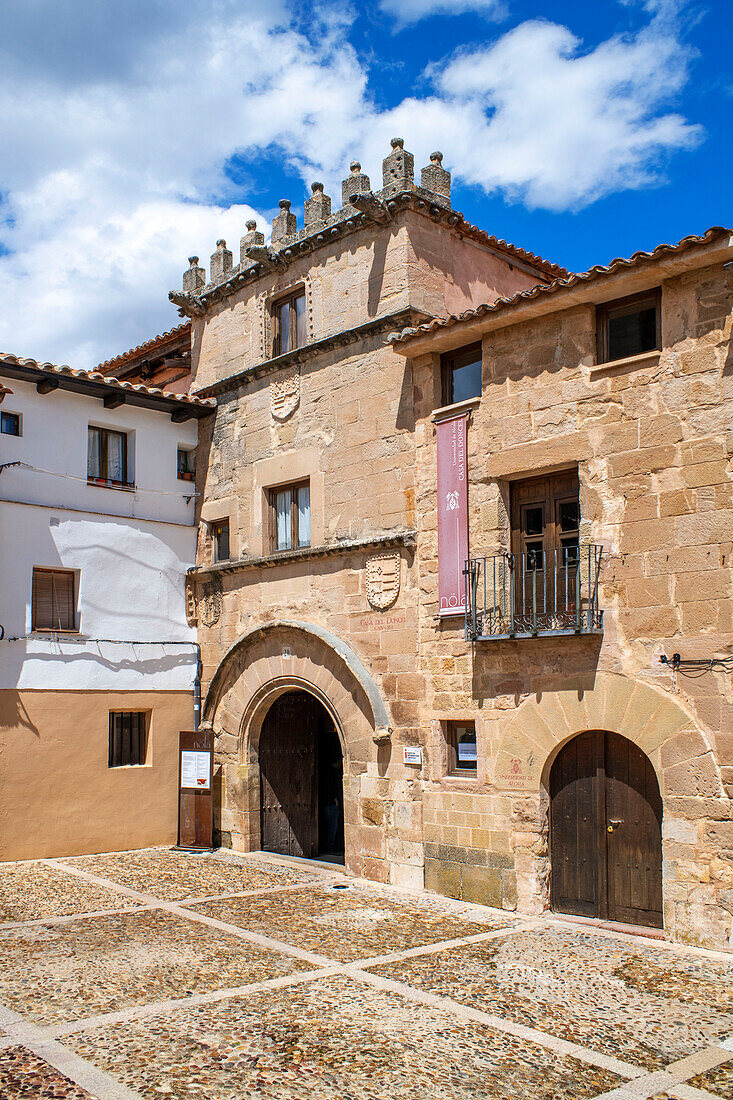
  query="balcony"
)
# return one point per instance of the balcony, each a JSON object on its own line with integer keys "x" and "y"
{"x": 540, "y": 594}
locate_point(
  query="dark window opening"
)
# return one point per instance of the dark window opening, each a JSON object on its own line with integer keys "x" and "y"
{"x": 220, "y": 539}
{"x": 186, "y": 463}
{"x": 128, "y": 738}
{"x": 107, "y": 457}
{"x": 53, "y": 603}
{"x": 462, "y": 747}
{"x": 10, "y": 423}
{"x": 290, "y": 516}
{"x": 461, "y": 374}
{"x": 289, "y": 328}
{"x": 629, "y": 327}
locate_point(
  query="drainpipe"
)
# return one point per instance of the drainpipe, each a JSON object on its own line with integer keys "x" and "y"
{"x": 197, "y": 689}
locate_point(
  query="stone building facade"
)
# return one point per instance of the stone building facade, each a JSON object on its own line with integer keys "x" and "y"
{"x": 316, "y": 589}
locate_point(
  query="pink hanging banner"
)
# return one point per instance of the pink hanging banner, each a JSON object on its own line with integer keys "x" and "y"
{"x": 452, "y": 513}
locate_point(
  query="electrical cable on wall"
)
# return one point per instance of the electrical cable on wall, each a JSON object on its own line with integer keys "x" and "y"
{"x": 694, "y": 667}
{"x": 85, "y": 481}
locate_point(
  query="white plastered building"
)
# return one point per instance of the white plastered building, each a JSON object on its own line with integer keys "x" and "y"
{"x": 98, "y": 664}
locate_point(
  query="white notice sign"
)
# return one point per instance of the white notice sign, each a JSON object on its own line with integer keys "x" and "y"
{"x": 412, "y": 755}
{"x": 195, "y": 769}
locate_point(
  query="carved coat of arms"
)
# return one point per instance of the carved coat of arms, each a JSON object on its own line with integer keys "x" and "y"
{"x": 209, "y": 602}
{"x": 285, "y": 394}
{"x": 383, "y": 580}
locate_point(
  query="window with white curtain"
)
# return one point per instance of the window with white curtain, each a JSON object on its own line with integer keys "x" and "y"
{"x": 291, "y": 516}
{"x": 107, "y": 456}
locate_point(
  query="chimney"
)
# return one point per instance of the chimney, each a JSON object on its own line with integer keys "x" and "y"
{"x": 250, "y": 238}
{"x": 221, "y": 260}
{"x": 398, "y": 169}
{"x": 435, "y": 178}
{"x": 285, "y": 224}
{"x": 355, "y": 183}
{"x": 195, "y": 277}
{"x": 318, "y": 206}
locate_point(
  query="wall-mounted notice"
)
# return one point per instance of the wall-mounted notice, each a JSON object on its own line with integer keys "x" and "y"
{"x": 452, "y": 513}
{"x": 412, "y": 754}
{"x": 195, "y": 770}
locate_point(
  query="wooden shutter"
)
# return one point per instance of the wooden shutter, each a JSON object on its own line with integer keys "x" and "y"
{"x": 53, "y": 602}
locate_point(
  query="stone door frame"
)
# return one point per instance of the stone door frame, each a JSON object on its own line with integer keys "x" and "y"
{"x": 263, "y": 664}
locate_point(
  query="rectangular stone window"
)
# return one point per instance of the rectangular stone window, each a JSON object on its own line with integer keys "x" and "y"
{"x": 220, "y": 540}
{"x": 629, "y": 326}
{"x": 462, "y": 748}
{"x": 289, "y": 328}
{"x": 53, "y": 601}
{"x": 10, "y": 423}
{"x": 128, "y": 738}
{"x": 461, "y": 374}
{"x": 290, "y": 516}
{"x": 107, "y": 458}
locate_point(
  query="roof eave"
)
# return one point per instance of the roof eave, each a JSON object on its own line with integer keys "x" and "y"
{"x": 585, "y": 289}
{"x": 182, "y": 406}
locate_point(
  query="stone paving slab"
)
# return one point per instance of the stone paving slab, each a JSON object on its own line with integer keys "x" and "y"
{"x": 171, "y": 875}
{"x": 648, "y": 1006}
{"x": 350, "y": 924}
{"x": 29, "y": 891}
{"x": 718, "y": 1081}
{"x": 331, "y": 1038}
{"x": 23, "y": 1074}
{"x": 54, "y": 973}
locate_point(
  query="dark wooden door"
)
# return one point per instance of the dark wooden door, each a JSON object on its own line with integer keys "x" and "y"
{"x": 288, "y": 776}
{"x": 606, "y": 831}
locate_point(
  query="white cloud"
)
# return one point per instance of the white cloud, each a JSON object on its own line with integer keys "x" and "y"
{"x": 117, "y": 125}
{"x": 407, "y": 12}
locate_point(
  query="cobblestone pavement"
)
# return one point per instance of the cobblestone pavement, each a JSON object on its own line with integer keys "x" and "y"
{"x": 217, "y": 977}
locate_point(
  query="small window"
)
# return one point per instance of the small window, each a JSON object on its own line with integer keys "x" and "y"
{"x": 107, "y": 457}
{"x": 290, "y": 510}
{"x": 461, "y": 374}
{"x": 289, "y": 323}
{"x": 10, "y": 423}
{"x": 128, "y": 738}
{"x": 220, "y": 539}
{"x": 462, "y": 748}
{"x": 629, "y": 327}
{"x": 186, "y": 463}
{"x": 53, "y": 600}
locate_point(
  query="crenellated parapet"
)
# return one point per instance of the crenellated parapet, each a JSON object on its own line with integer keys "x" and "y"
{"x": 361, "y": 207}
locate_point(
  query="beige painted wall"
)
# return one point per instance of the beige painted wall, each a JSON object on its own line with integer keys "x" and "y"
{"x": 59, "y": 797}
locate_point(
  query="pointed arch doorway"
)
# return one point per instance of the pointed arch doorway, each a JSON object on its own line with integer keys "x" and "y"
{"x": 301, "y": 780}
{"x": 606, "y": 831}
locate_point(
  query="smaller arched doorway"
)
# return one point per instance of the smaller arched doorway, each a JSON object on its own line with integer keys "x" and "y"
{"x": 301, "y": 780}
{"x": 606, "y": 831}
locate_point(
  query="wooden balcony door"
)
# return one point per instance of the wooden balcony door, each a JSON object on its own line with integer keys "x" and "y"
{"x": 545, "y": 518}
{"x": 606, "y": 831}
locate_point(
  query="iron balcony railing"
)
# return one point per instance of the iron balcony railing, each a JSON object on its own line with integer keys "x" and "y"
{"x": 535, "y": 594}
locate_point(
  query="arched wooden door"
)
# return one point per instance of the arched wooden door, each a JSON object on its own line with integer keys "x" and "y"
{"x": 606, "y": 831}
{"x": 288, "y": 777}
{"x": 301, "y": 780}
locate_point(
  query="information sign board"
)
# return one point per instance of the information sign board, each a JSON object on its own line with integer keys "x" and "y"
{"x": 195, "y": 793}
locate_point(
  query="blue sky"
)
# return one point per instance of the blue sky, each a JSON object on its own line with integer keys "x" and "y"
{"x": 137, "y": 133}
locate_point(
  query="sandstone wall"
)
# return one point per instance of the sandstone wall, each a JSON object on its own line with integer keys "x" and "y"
{"x": 653, "y": 446}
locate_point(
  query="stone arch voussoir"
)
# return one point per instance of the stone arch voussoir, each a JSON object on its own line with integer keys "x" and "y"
{"x": 254, "y": 671}
{"x": 661, "y": 727}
